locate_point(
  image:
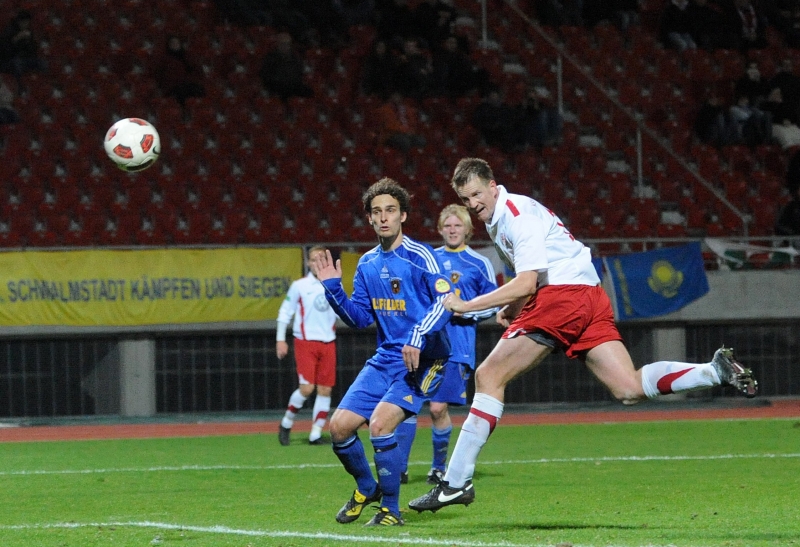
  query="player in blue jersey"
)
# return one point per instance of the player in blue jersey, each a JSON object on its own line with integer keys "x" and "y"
{"x": 471, "y": 274}
{"x": 399, "y": 286}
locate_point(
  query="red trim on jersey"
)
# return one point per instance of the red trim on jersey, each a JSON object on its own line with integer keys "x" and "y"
{"x": 512, "y": 208}
{"x": 488, "y": 417}
{"x": 664, "y": 384}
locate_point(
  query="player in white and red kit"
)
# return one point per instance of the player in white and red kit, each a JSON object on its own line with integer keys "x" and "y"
{"x": 555, "y": 302}
{"x": 314, "y": 330}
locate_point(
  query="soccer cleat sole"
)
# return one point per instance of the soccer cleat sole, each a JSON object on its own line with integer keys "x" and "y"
{"x": 731, "y": 372}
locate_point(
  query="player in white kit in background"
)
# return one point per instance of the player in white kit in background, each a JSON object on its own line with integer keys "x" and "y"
{"x": 314, "y": 330}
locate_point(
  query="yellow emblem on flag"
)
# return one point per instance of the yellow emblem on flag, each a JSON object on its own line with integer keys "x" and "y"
{"x": 665, "y": 279}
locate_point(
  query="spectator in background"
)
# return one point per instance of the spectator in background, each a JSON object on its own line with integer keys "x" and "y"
{"x": 753, "y": 126}
{"x": 395, "y": 20}
{"x": 676, "y": 26}
{"x": 380, "y": 67}
{"x": 414, "y": 69}
{"x": 326, "y": 24}
{"x": 282, "y": 70}
{"x": 496, "y": 121}
{"x": 399, "y": 124}
{"x": 752, "y": 85}
{"x": 788, "y": 223}
{"x": 541, "y": 121}
{"x": 625, "y": 13}
{"x": 454, "y": 74}
{"x": 791, "y": 24}
{"x": 19, "y": 48}
{"x": 747, "y": 28}
{"x": 434, "y": 21}
{"x": 784, "y": 119}
{"x": 789, "y": 84}
{"x": 713, "y": 124}
{"x": 622, "y": 13}
{"x": 707, "y": 24}
{"x": 7, "y": 112}
{"x": 176, "y": 74}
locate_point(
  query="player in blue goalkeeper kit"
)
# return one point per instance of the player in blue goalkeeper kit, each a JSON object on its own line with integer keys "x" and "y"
{"x": 399, "y": 286}
{"x": 471, "y": 274}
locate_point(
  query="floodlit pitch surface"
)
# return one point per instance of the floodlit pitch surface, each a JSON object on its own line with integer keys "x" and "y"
{"x": 682, "y": 483}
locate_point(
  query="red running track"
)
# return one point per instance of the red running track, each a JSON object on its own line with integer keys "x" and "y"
{"x": 781, "y": 408}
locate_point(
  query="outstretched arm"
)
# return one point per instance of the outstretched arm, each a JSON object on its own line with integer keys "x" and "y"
{"x": 522, "y": 286}
{"x": 330, "y": 274}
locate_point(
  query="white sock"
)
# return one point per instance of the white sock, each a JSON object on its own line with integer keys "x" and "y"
{"x": 664, "y": 377}
{"x": 322, "y": 406}
{"x": 483, "y": 417}
{"x": 296, "y": 402}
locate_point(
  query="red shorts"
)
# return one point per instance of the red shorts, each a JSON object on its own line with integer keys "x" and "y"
{"x": 316, "y": 362}
{"x": 579, "y": 317}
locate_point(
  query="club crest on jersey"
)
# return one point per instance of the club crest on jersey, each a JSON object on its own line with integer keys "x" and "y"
{"x": 395, "y": 283}
{"x": 442, "y": 286}
{"x": 454, "y": 277}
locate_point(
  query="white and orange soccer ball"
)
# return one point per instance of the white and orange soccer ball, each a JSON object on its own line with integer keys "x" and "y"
{"x": 132, "y": 144}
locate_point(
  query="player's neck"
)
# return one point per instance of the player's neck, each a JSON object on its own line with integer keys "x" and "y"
{"x": 391, "y": 243}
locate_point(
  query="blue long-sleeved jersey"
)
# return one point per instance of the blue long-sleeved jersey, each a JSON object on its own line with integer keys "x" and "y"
{"x": 401, "y": 291}
{"x": 471, "y": 274}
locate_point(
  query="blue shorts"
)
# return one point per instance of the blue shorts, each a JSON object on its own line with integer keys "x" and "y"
{"x": 453, "y": 390}
{"x": 383, "y": 381}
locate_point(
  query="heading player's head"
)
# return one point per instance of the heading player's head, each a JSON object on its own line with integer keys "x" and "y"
{"x": 315, "y": 253}
{"x": 455, "y": 226}
{"x": 387, "y": 204}
{"x": 474, "y": 183}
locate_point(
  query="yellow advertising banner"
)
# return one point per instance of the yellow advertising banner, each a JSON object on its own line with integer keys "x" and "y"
{"x": 144, "y": 287}
{"x": 349, "y": 264}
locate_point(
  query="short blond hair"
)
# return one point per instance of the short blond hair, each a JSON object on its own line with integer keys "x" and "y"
{"x": 459, "y": 211}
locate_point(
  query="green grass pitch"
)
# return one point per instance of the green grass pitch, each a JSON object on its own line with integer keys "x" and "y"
{"x": 681, "y": 483}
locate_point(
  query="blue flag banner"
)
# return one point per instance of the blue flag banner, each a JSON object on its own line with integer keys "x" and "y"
{"x": 656, "y": 282}
{"x": 598, "y": 266}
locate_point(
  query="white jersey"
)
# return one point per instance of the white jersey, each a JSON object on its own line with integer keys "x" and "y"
{"x": 528, "y": 236}
{"x": 314, "y": 319}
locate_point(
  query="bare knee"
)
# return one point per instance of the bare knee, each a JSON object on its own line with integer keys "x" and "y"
{"x": 340, "y": 428}
{"x": 439, "y": 412}
{"x": 628, "y": 393}
{"x": 379, "y": 426}
{"x": 324, "y": 391}
{"x": 487, "y": 381}
{"x": 306, "y": 389}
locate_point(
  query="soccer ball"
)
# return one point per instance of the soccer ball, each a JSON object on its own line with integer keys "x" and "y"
{"x": 133, "y": 144}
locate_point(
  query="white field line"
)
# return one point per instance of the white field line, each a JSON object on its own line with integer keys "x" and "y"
{"x": 179, "y": 468}
{"x": 404, "y": 538}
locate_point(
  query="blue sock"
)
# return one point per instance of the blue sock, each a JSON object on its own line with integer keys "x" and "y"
{"x": 351, "y": 454}
{"x": 389, "y": 463}
{"x": 441, "y": 443}
{"x": 405, "y": 433}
